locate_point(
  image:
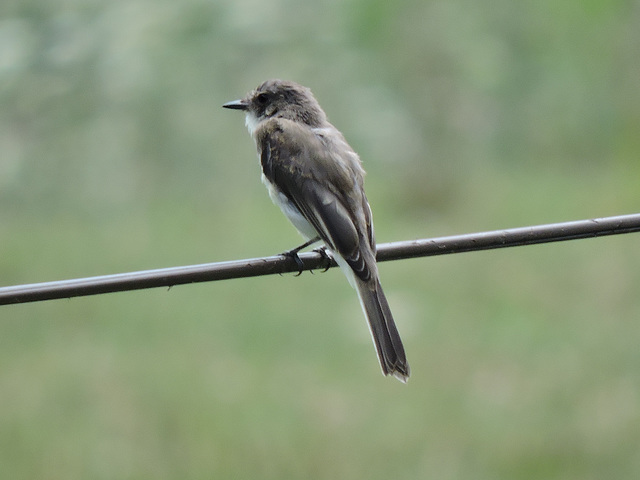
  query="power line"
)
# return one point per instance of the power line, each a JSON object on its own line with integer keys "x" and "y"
{"x": 167, "y": 277}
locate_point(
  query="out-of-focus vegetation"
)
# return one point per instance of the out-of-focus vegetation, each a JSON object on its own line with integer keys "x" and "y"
{"x": 116, "y": 156}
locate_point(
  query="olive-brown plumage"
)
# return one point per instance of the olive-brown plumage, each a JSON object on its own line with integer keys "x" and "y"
{"x": 317, "y": 180}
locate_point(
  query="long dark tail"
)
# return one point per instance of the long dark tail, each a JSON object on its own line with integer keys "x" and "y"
{"x": 383, "y": 329}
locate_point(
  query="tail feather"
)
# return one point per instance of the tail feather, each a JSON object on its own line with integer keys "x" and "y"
{"x": 386, "y": 338}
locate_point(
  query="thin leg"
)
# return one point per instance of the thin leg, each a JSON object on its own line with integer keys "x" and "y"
{"x": 305, "y": 245}
{"x": 293, "y": 254}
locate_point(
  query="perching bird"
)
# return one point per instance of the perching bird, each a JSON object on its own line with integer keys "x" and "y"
{"x": 317, "y": 180}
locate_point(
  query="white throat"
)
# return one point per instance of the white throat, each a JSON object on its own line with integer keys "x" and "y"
{"x": 251, "y": 121}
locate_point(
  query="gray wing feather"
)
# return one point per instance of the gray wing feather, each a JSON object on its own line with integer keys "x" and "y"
{"x": 324, "y": 192}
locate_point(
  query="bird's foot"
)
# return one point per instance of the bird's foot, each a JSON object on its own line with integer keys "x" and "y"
{"x": 327, "y": 259}
{"x": 293, "y": 254}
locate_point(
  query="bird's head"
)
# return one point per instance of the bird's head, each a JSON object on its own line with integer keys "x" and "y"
{"x": 282, "y": 99}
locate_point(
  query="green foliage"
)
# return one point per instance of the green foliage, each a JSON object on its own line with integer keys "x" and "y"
{"x": 116, "y": 156}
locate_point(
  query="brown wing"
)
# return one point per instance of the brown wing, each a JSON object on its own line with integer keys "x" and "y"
{"x": 323, "y": 190}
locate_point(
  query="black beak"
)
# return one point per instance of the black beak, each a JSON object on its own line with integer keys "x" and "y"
{"x": 236, "y": 105}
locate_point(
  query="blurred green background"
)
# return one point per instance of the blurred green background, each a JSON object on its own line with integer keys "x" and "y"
{"x": 115, "y": 156}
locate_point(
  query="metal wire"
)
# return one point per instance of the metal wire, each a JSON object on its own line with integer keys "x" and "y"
{"x": 167, "y": 277}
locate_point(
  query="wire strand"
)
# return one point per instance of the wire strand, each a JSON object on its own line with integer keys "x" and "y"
{"x": 168, "y": 277}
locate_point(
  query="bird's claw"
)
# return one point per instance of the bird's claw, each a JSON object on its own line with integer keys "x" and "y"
{"x": 293, "y": 254}
{"x": 327, "y": 258}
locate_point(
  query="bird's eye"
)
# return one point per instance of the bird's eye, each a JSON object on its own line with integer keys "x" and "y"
{"x": 262, "y": 99}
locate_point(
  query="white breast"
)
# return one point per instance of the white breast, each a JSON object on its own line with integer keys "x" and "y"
{"x": 290, "y": 210}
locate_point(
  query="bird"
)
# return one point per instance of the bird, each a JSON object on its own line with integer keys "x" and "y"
{"x": 317, "y": 180}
